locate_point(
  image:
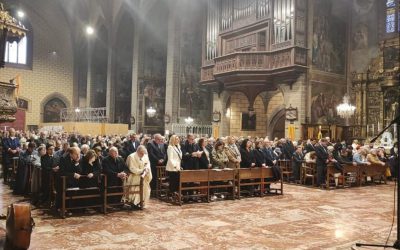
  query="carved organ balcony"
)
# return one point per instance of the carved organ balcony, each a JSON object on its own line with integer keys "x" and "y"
{"x": 254, "y": 42}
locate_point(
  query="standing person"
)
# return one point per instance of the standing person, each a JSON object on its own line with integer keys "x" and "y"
{"x": 233, "y": 153}
{"x": 219, "y": 158}
{"x": 204, "y": 159}
{"x": 190, "y": 158}
{"x": 49, "y": 165}
{"x": 131, "y": 145}
{"x": 174, "y": 163}
{"x": 139, "y": 167}
{"x": 248, "y": 160}
{"x": 26, "y": 162}
{"x": 297, "y": 161}
{"x": 11, "y": 149}
{"x": 322, "y": 160}
{"x": 157, "y": 156}
{"x": 259, "y": 154}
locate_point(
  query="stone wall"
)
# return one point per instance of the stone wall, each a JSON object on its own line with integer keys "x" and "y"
{"x": 51, "y": 74}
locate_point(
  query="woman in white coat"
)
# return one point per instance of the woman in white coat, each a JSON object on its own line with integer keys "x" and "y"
{"x": 139, "y": 167}
{"x": 174, "y": 163}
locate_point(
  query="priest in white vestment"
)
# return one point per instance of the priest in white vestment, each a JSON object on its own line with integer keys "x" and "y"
{"x": 139, "y": 167}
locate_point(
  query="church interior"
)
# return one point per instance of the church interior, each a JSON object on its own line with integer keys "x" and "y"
{"x": 199, "y": 124}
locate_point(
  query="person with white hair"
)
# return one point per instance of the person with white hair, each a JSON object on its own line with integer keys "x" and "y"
{"x": 139, "y": 167}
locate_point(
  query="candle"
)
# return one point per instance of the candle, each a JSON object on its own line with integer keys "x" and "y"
{"x": 379, "y": 127}
{"x": 373, "y": 130}
{"x": 367, "y": 130}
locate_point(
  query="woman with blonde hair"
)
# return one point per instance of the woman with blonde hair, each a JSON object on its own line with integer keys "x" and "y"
{"x": 173, "y": 167}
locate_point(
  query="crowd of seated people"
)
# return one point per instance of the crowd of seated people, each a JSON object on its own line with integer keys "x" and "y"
{"x": 126, "y": 159}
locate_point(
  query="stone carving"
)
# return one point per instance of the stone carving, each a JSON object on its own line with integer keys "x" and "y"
{"x": 8, "y": 105}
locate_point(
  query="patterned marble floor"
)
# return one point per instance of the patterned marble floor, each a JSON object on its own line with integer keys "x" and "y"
{"x": 303, "y": 218}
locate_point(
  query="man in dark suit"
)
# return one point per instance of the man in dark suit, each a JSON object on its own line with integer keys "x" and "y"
{"x": 190, "y": 156}
{"x": 297, "y": 162}
{"x": 11, "y": 149}
{"x": 131, "y": 145}
{"x": 115, "y": 169}
{"x": 157, "y": 157}
{"x": 322, "y": 160}
{"x": 70, "y": 167}
{"x": 310, "y": 146}
{"x": 49, "y": 165}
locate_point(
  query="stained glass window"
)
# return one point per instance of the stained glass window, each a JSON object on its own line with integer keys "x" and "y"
{"x": 390, "y": 20}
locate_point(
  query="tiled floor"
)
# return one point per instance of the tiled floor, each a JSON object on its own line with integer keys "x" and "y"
{"x": 303, "y": 218}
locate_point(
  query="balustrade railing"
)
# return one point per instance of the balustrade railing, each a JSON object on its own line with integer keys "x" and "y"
{"x": 197, "y": 129}
{"x": 255, "y": 61}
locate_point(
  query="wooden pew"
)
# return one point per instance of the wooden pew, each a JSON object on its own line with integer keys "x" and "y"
{"x": 286, "y": 168}
{"x": 162, "y": 190}
{"x": 197, "y": 177}
{"x": 70, "y": 194}
{"x": 248, "y": 177}
{"x": 308, "y": 171}
{"x": 266, "y": 178}
{"x": 350, "y": 168}
{"x": 220, "y": 178}
{"x": 111, "y": 191}
{"x": 330, "y": 171}
{"x": 373, "y": 170}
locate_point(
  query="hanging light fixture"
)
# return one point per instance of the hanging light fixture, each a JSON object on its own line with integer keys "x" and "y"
{"x": 345, "y": 109}
{"x": 189, "y": 120}
{"x": 151, "y": 112}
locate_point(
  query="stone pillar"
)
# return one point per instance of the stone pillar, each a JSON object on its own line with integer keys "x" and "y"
{"x": 110, "y": 93}
{"x": 219, "y": 105}
{"x": 295, "y": 95}
{"x": 172, "y": 91}
{"x": 135, "y": 74}
{"x": 89, "y": 75}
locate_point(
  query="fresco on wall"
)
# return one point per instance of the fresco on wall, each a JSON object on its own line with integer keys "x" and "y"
{"x": 329, "y": 39}
{"x": 364, "y": 34}
{"x": 325, "y": 99}
{"x": 51, "y": 110}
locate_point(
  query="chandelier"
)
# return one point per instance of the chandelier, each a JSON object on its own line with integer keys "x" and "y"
{"x": 151, "y": 112}
{"x": 189, "y": 120}
{"x": 345, "y": 109}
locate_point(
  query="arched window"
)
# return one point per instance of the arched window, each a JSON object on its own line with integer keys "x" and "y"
{"x": 19, "y": 54}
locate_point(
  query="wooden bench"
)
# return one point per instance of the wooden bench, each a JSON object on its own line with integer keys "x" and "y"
{"x": 248, "y": 177}
{"x": 373, "y": 170}
{"x": 200, "y": 180}
{"x": 286, "y": 168}
{"x": 330, "y": 174}
{"x": 308, "y": 171}
{"x": 112, "y": 191}
{"x": 266, "y": 179}
{"x": 70, "y": 194}
{"x": 350, "y": 168}
{"x": 162, "y": 188}
{"x": 222, "y": 178}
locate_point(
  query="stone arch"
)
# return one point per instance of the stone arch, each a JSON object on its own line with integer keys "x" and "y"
{"x": 48, "y": 113}
{"x": 276, "y": 123}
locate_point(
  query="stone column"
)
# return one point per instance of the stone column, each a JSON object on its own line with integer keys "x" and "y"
{"x": 89, "y": 75}
{"x": 295, "y": 95}
{"x": 110, "y": 93}
{"x": 172, "y": 92}
{"x": 219, "y": 104}
{"x": 135, "y": 74}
